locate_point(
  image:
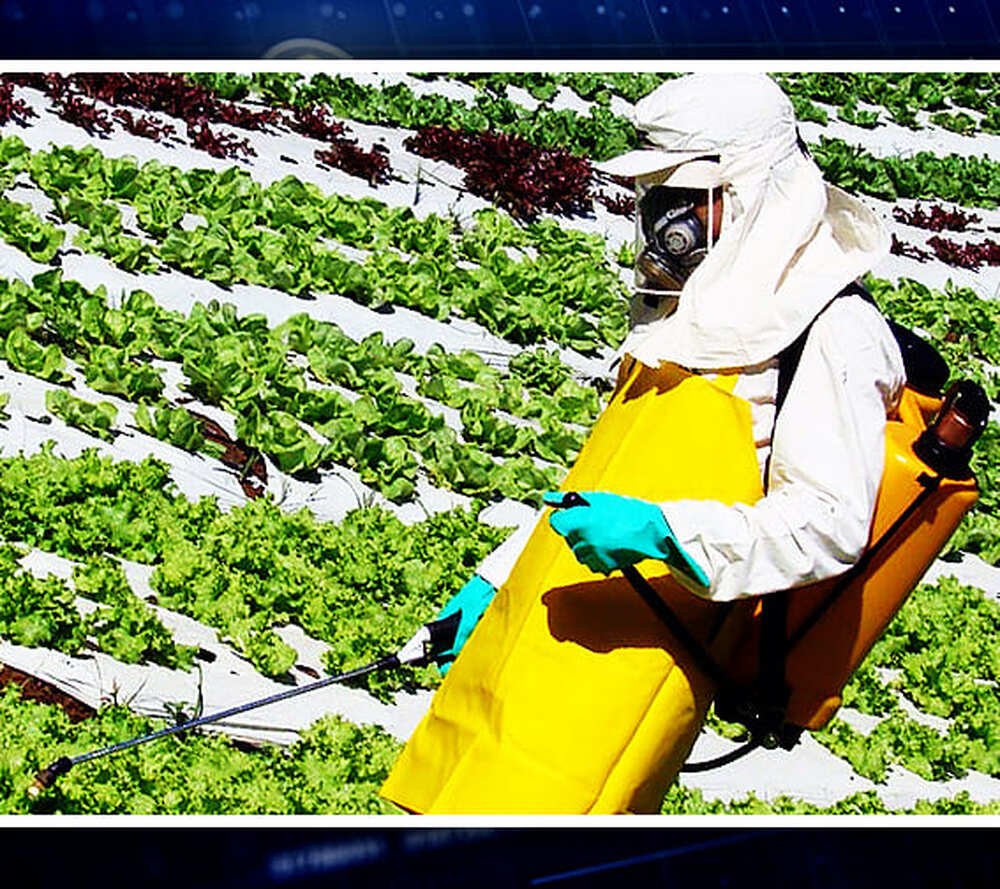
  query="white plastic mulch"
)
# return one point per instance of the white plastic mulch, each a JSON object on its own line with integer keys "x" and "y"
{"x": 808, "y": 772}
{"x": 221, "y": 680}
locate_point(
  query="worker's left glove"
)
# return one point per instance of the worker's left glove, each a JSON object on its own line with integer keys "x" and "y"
{"x": 608, "y": 531}
{"x": 469, "y": 602}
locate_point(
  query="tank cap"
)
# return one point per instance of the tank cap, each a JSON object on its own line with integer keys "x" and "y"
{"x": 946, "y": 445}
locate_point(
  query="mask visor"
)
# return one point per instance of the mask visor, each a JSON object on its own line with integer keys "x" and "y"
{"x": 671, "y": 240}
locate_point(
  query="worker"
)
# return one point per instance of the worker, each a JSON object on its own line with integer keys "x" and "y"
{"x": 568, "y": 696}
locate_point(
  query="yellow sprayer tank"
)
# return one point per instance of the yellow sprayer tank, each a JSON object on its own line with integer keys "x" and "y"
{"x": 823, "y": 657}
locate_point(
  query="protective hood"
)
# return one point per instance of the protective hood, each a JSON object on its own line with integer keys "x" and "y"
{"x": 789, "y": 241}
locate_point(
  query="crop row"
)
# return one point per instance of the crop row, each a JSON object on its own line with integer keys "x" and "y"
{"x": 968, "y": 181}
{"x": 681, "y": 800}
{"x": 243, "y": 366}
{"x": 970, "y": 255}
{"x": 84, "y": 100}
{"x": 336, "y": 767}
{"x": 363, "y": 585}
{"x": 543, "y": 86}
{"x": 39, "y": 612}
{"x": 279, "y": 236}
{"x": 901, "y": 95}
{"x": 598, "y": 135}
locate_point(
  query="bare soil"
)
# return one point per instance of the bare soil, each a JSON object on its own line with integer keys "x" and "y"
{"x": 36, "y": 690}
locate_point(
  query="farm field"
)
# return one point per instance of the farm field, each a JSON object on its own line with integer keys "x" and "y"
{"x": 286, "y": 355}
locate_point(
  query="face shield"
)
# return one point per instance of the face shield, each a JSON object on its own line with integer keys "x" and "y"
{"x": 677, "y": 222}
{"x": 672, "y": 237}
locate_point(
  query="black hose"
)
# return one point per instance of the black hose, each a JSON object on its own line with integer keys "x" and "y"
{"x": 663, "y": 611}
{"x": 723, "y": 760}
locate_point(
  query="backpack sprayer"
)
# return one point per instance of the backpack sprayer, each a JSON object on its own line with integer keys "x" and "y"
{"x": 776, "y": 686}
{"x": 429, "y": 642}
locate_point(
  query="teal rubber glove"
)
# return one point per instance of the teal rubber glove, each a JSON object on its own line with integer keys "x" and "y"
{"x": 470, "y": 601}
{"x": 608, "y": 531}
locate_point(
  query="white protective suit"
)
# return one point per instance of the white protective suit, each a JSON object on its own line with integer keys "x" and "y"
{"x": 788, "y": 244}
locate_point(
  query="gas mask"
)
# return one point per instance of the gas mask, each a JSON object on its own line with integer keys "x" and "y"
{"x": 672, "y": 239}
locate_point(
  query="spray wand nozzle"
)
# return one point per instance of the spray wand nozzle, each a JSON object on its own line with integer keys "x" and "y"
{"x": 48, "y": 776}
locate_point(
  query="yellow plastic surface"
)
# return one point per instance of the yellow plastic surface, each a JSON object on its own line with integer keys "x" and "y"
{"x": 570, "y": 696}
{"x": 820, "y": 665}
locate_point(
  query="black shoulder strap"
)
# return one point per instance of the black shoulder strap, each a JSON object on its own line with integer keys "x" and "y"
{"x": 772, "y": 690}
{"x": 788, "y": 358}
{"x": 926, "y": 371}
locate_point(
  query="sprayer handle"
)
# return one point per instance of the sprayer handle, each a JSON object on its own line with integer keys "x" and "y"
{"x": 430, "y": 640}
{"x": 442, "y": 634}
{"x": 569, "y": 500}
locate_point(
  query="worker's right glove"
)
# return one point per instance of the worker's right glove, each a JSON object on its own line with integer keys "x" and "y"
{"x": 470, "y": 602}
{"x": 608, "y": 531}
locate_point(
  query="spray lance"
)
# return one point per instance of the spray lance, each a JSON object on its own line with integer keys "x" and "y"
{"x": 429, "y": 642}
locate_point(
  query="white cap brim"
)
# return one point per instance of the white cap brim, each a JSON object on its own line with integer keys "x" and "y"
{"x": 689, "y": 172}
